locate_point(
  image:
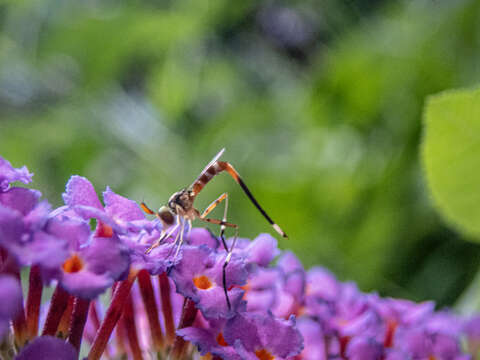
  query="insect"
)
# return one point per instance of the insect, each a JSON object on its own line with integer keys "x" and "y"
{"x": 180, "y": 207}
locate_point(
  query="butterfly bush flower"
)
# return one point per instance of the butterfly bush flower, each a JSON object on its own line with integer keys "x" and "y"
{"x": 171, "y": 301}
{"x": 199, "y": 277}
{"x": 9, "y": 174}
{"x": 93, "y": 263}
{"x": 263, "y": 336}
{"x": 22, "y": 220}
{"x": 119, "y": 213}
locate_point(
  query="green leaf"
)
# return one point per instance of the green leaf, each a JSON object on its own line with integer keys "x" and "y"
{"x": 451, "y": 156}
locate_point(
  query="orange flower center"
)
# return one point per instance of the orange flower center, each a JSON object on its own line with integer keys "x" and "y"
{"x": 264, "y": 355}
{"x": 221, "y": 340}
{"x": 73, "y": 264}
{"x": 104, "y": 230}
{"x": 202, "y": 282}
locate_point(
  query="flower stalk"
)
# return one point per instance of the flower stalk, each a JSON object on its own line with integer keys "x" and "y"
{"x": 34, "y": 299}
{"x": 112, "y": 316}
{"x": 58, "y": 305}
{"x": 79, "y": 318}
{"x": 180, "y": 346}
{"x": 164, "y": 285}
{"x": 19, "y": 322}
{"x": 128, "y": 318}
{"x": 64, "y": 324}
{"x": 148, "y": 297}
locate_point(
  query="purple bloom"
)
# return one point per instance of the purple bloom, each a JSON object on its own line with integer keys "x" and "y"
{"x": 22, "y": 216}
{"x": 10, "y": 300}
{"x": 209, "y": 339}
{"x": 288, "y": 262}
{"x": 419, "y": 343}
{"x": 246, "y": 336}
{"x": 472, "y": 331}
{"x": 321, "y": 285}
{"x": 47, "y": 348}
{"x": 198, "y": 276}
{"x": 314, "y": 340}
{"x": 402, "y": 312}
{"x": 159, "y": 259}
{"x": 93, "y": 263}
{"x": 119, "y": 214}
{"x": 200, "y": 236}
{"x": 10, "y": 174}
{"x": 19, "y": 199}
{"x": 261, "y": 251}
{"x": 261, "y": 290}
{"x": 22, "y": 229}
{"x": 262, "y": 336}
{"x": 290, "y": 295}
{"x": 364, "y": 348}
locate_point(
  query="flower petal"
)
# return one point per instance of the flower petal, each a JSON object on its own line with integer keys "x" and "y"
{"x": 47, "y": 348}
{"x": 80, "y": 191}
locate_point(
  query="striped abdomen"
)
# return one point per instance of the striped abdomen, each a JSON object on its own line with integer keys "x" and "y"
{"x": 207, "y": 175}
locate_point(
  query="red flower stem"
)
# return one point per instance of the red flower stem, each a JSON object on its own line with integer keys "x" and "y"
{"x": 344, "y": 340}
{"x": 189, "y": 313}
{"x": 3, "y": 258}
{"x": 95, "y": 319}
{"x": 111, "y": 317}
{"x": 148, "y": 297}
{"x": 58, "y": 304}
{"x": 121, "y": 336}
{"x": 79, "y": 318}
{"x": 64, "y": 324}
{"x": 167, "y": 308}
{"x": 34, "y": 299}
{"x": 129, "y": 321}
{"x": 19, "y": 323}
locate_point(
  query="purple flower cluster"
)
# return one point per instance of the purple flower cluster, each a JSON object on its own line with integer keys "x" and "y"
{"x": 163, "y": 303}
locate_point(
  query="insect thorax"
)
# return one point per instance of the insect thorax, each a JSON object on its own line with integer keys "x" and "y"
{"x": 182, "y": 199}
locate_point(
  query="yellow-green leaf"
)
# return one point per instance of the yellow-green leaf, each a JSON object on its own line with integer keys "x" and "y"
{"x": 451, "y": 157}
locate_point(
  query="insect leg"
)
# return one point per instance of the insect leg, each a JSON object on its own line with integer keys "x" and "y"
{"x": 181, "y": 224}
{"x": 212, "y": 206}
{"x": 146, "y": 208}
{"x": 224, "y": 268}
{"x": 182, "y": 229}
{"x": 165, "y": 235}
{"x": 223, "y": 223}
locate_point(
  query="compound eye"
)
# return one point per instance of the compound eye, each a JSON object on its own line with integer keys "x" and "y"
{"x": 166, "y": 215}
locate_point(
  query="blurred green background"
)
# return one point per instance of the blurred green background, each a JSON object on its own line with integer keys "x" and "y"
{"x": 318, "y": 103}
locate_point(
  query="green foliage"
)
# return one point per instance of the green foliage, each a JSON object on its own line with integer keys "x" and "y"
{"x": 451, "y": 153}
